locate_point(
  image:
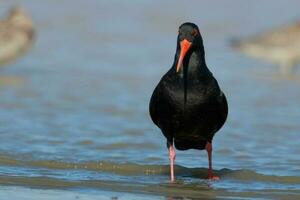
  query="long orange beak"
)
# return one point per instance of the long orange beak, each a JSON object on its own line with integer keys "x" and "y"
{"x": 184, "y": 47}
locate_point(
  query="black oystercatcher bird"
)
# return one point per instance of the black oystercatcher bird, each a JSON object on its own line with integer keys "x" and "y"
{"x": 188, "y": 104}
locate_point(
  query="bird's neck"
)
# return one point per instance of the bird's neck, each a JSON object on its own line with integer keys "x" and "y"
{"x": 193, "y": 64}
{"x": 194, "y": 69}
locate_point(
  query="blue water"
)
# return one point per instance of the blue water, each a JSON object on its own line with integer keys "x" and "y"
{"x": 78, "y": 118}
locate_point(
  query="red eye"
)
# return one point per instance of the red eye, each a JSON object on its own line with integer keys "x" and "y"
{"x": 194, "y": 32}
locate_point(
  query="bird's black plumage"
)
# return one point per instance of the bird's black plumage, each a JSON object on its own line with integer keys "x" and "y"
{"x": 188, "y": 105}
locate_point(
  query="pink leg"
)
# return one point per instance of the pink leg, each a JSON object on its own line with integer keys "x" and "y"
{"x": 210, "y": 176}
{"x": 172, "y": 156}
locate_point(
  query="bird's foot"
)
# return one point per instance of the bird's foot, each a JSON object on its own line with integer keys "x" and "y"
{"x": 210, "y": 176}
{"x": 172, "y": 180}
{"x": 213, "y": 178}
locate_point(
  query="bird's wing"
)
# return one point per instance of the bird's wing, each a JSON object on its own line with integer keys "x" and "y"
{"x": 223, "y": 110}
{"x": 153, "y": 106}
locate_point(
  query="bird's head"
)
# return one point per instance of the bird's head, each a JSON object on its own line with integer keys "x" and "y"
{"x": 189, "y": 37}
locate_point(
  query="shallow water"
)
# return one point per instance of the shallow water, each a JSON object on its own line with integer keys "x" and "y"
{"x": 74, "y": 111}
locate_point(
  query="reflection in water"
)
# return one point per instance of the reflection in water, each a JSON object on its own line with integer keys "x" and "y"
{"x": 7, "y": 81}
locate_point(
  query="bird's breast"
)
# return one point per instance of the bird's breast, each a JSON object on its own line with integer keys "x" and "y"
{"x": 195, "y": 95}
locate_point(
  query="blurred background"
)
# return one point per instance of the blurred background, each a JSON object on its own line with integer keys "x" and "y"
{"x": 74, "y": 109}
